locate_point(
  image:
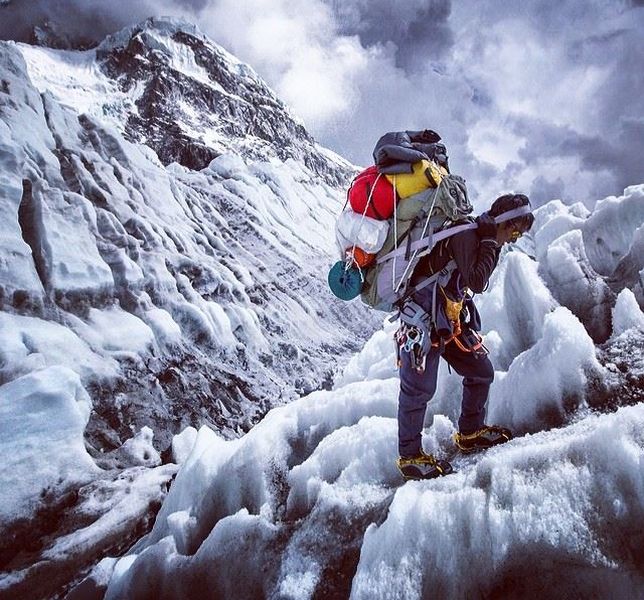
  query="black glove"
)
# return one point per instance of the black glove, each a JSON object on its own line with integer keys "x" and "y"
{"x": 487, "y": 227}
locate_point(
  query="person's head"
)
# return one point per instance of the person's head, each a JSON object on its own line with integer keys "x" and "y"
{"x": 512, "y": 230}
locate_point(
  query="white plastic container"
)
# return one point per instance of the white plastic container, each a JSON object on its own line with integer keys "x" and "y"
{"x": 366, "y": 233}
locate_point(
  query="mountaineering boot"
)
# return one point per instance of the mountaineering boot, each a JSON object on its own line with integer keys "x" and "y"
{"x": 422, "y": 466}
{"x": 486, "y": 437}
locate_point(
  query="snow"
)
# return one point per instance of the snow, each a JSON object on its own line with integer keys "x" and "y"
{"x": 18, "y": 271}
{"x": 553, "y": 220}
{"x": 77, "y": 81}
{"x": 313, "y": 479}
{"x": 376, "y": 360}
{"x": 182, "y": 444}
{"x": 165, "y": 328}
{"x": 42, "y": 419}
{"x": 226, "y": 265}
{"x": 514, "y": 308}
{"x": 115, "y": 330}
{"x": 139, "y": 449}
{"x": 627, "y": 313}
{"x": 30, "y": 343}
{"x": 525, "y": 399}
{"x": 167, "y": 26}
{"x": 530, "y": 506}
{"x": 608, "y": 232}
{"x": 69, "y": 248}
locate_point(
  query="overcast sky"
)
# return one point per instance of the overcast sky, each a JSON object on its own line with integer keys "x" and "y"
{"x": 544, "y": 97}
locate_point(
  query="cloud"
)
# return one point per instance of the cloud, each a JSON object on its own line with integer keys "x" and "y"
{"x": 543, "y": 96}
{"x": 418, "y": 29}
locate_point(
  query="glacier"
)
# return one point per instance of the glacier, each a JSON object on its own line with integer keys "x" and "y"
{"x": 185, "y": 410}
{"x": 309, "y": 503}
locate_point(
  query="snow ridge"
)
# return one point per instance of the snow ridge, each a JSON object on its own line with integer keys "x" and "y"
{"x": 164, "y": 84}
{"x": 313, "y": 496}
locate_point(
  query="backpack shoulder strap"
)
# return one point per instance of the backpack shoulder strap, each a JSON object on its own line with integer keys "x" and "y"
{"x": 428, "y": 241}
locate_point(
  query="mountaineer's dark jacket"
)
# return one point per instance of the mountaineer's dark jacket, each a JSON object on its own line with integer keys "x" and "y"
{"x": 475, "y": 260}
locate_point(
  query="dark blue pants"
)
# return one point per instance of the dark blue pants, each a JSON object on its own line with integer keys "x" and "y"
{"x": 417, "y": 389}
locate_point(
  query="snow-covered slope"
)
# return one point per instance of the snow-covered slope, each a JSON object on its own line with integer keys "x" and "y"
{"x": 148, "y": 298}
{"x": 124, "y": 259}
{"x": 309, "y": 503}
{"x": 163, "y": 83}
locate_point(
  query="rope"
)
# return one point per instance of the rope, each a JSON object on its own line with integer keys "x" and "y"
{"x": 364, "y": 214}
{"x": 393, "y": 271}
{"x": 422, "y": 235}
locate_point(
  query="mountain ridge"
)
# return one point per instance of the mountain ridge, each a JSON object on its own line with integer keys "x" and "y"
{"x": 190, "y": 100}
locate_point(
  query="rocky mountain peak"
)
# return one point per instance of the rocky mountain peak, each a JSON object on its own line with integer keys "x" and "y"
{"x": 194, "y": 101}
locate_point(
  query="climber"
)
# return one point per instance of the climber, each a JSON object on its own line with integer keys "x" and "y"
{"x": 442, "y": 320}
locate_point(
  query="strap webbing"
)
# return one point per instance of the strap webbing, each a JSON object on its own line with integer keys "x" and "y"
{"x": 433, "y": 239}
{"x": 448, "y": 268}
{"x": 513, "y": 214}
{"x": 445, "y": 233}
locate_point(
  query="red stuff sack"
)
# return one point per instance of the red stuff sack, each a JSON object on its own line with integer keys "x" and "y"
{"x": 375, "y": 190}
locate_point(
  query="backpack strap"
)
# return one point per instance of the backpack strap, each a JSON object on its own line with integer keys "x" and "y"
{"x": 447, "y": 270}
{"x": 513, "y": 214}
{"x": 430, "y": 240}
{"x": 433, "y": 238}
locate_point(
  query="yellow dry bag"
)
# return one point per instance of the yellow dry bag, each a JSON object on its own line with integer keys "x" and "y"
{"x": 425, "y": 174}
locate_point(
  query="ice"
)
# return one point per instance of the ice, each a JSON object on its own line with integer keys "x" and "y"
{"x": 317, "y": 491}
{"x": 115, "y": 330}
{"x": 42, "y": 419}
{"x": 30, "y": 343}
{"x": 376, "y": 360}
{"x": 514, "y": 308}
{"x": 525, "y": 509}
{"x": 71, "y": 256}
{"x": 138, "y": 450}
{"x": 540, "y": 502}
{"x": 182, "y": 444}
{"x": 576, "y": 285}
{"x": 165, "y": 328}
{"x": 627, "y": 313}
{"x": 630, "y": 269}
{"x": 76, "y": 79}
{"x": 552, "y": 221}
{"x": 608, "y": 233}
{"x": 18, "y": 273}
{"x": 577, "y": 250}
{"x": 235, "y": 255}
{"x": 540, "y": 387}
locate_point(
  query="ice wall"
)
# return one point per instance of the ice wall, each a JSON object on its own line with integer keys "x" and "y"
{"x": 42, "y": 419}
{"x": 179, "y": 281}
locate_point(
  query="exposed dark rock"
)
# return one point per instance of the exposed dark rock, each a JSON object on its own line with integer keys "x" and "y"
{"x": 248, "y": 118}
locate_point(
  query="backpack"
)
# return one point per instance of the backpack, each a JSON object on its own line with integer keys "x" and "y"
{"x": 411, "y": 188}
{"x": 424, "y": 174}
{"x": 421, "y": 221}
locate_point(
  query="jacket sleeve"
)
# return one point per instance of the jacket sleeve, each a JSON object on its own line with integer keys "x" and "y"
{"x": 475, "y": 259}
